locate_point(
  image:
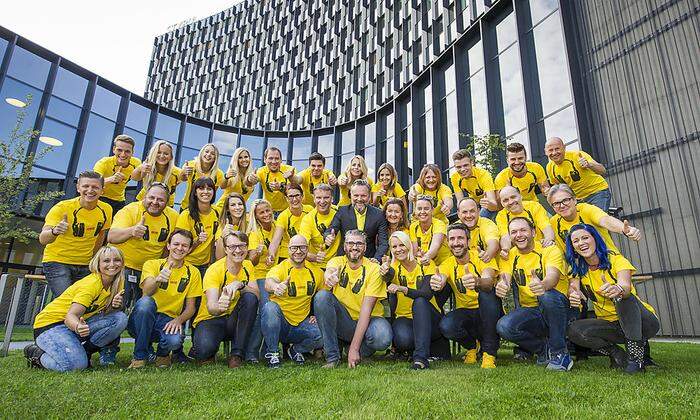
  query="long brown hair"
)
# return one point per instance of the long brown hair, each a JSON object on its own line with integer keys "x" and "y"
{"x": 226, "y": 213}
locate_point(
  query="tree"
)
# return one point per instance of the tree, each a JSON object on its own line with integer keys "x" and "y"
{"x": 485, "y": 150}
{"x": 15, "y": 179}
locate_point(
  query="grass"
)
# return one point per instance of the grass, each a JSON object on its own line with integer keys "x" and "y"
{"x": 26, "y": 333}
{"x": 376, "y": 389}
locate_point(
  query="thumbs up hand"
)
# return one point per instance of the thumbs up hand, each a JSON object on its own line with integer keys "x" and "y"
{"x": 118, "y": 176}
{"x": 251, "y": 179}
{"x": 139, "y": 229}
{"x": 224, "y": 300}
{"x": 536, "y": 285}
{"x": 163, "y": 277}
{"x": 330, "y": 238}
{"x": 61, "y": 227}
{"x": 384, "y": 267}
{"x": 631, "y": 231}
{"x": 82, "y": 328}
{"x": 331, "y": 277}
{"x": 484, "y": 256}
{"x": 118, "y": 300}
{"x": 188, "y": 170}
{"x": 320, "y": 256}
{"x": 437, "y": 281}
{"x": 288, "y": 174}
{"x": 231, "y": 173}
{"x": 343, "y": 180}
{"x": 280, "y": 289}
{"x": 228, "y": 228}
{"x": 576, "y": 298}
{"x": 423, "y": 258}
{"x": 412, "y": 194}
{"x": 469, "y": 280}
{"x": 610, "y": 291}
{"x": 270, "y": 260}
{"x": 502, "y": 287}
{"x": 146, "y": 167}
{"x": 202, "y": 237}
{"x": 582, "y": 161}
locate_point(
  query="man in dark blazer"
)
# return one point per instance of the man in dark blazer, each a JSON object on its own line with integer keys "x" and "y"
{"x": 346, "y": 219}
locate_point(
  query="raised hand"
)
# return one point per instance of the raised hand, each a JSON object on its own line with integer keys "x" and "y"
{"x": 146, "y": 167}
{"x": 536, "y": 285}
{"x": 331, "y": 277}
{"x": 202, "y": 237}
{"x": 231, "y": 173}
{"x": 139, "y": 229}
{"x": 469, "y": 280}
{"x": 484, "y": 256}
{"x": 118, "y": 300}
{"x": 82, "y": 328}
{"x": 610, "y": 291}
{"x": 343, "y": 180}
{"x": 393, "y": 288}
{"x": 437, "y": 281}
{"x": 61, "y": 227}
{"x": 384, "y": 267}
{"x": 582, "y": 161}
{"x": 631, "y": 231}
{"x": 576, "y": 298}
{"x": 288, "y": 174}
{"x": 502, "y": 287}
{"x": 163, "y": 277}
{"x": 332, "y": 180}
{"x": 224, "y": 300}
{"x": 118, "y": 176}
{"x": 281, "y": 288}
{"x": 330, "y": 238}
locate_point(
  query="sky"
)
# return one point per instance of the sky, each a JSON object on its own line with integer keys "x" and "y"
{"x": 111, "y": 39}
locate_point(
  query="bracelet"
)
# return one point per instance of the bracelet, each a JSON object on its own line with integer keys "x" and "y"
{"x": 52, "y": 232}
{"x": 622, "y": 290}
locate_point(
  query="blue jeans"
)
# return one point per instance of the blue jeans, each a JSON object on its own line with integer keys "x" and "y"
{"x": 335, "y": 323}
{"x": 465, "y": 326}
{"x": 252, "y": 350}
{"x": 305, "y": 337}
{"x": 601, "y": 199}
{"x": 132, "y": 289}
{"x": 536, "y": 329}
{"x": 64, "y": 348}
{"x": 60, "y": 276}
{"x": 488, "y": 213}
{"x": 146, "y": 326}
{"x": 416, "y": 334}
{"x": 235, "y": 327}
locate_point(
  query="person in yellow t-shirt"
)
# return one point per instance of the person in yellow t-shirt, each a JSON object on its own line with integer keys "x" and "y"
{"x": 288, "y": 222}
{"x": 356, "y": 169}
{"x": 387, "y": 186}
{"x": 205, "y": 165}
{"x": 537, "y": 277}
{"x": 116, "y": 171}
{"x": 170, "y": 287}
{"x": 528, "y": 177}
{"x": 396, "y": 215}
{"x": 141, "y": 230}
{"x": 471, "y": 181}
{"x": 605, "y": 278}
{"x": 483, "y": 232}
{"x": 430, "y": 184}
{"x": 514, "y": 206}
{"x": 416, "y": 315}
{"x": 159, "y": 166}
{"x": 579, "y": 171}
{"x": 315, "y": 223}
{"x": 477, "y": 307}
{"x": 286, "y": 316}
{"x": 570, "y": 213}
{"x": 316, "y": 174}
{"x": 202, "y": 220}
{"x": 84, "y": 319}
{"x": 238, "y": 175}
{"x": 233, "y": 218}
{"x": 73, "y": 231}
{"x": 274, "y": 178}
{"x": 428, "y": 234}
{"x": 349, "y": 306}
{"x": 229, "y": 303}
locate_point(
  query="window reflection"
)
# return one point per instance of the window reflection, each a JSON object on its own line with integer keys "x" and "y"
{"x": 3, "y": 47}
{"x": 225, "y": 141}
{"x": 28, "y": 67}
{"x": 452, "y": 126}
{"x": 8, "y": 114}
{"x": 167, "y": 128}
{"x": 476, "y": 58}
{"x": 512, "y": 90}
{"x": 56, "y": 157}
{"x": 254, "y": 144}
{"x": 64, "y": 111}
{"x": 281, "y": 143}
{"x": 370, "y": 134}
{"x": 522, "y": 138}
{"x": 551, "y": 65}
{"x": 371, "y": 159}
{"x": 138, "y": 117}
{"x": 106, "y": 103}
{"x": 196, "y": 135}
{"x": 562, "y": 124}
{"x": 540, "y": 8}
{"x": 348, "y": 141}
{"x": 479, "y": 106}
{"x": 70, "y": 86}
{"x": 506, "y": 32}
{"x": 97, "y": 142}
{"x": 301, "y": 149}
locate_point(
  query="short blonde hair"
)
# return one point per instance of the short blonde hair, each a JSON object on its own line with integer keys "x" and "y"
{"x": 363, "y": 167}
{"x": 404, "y": 239}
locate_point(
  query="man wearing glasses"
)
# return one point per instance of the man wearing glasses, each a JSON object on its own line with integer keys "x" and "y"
{"x": 286, "y": 316}
{"x": 349, "y": 307}
{"x": 288, "y": 223}
{"x": 570, "y": 212}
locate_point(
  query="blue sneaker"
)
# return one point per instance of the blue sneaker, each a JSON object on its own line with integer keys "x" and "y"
{"x": 108, "y": 356}
{"x": 560, "y": 362}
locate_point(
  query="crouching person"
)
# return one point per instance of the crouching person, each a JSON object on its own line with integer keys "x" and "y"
{"x": 170, "y": 287}
{"x": 351, "y": 309}
{"x": 285, "y": 317}
{"x": 229, "y": 303}
{"x": 86, "y": 317}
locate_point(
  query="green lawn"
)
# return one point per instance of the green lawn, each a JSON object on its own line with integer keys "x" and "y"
{"x": 374, "y": 390}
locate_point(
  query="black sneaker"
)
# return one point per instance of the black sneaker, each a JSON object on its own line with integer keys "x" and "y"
{"x": 180, "y": 357}
{"x": 295, "y": 356}
{"x": 419, "y": 365}
{"x": 273, "y": 360}
{"x": 33, "y": 354}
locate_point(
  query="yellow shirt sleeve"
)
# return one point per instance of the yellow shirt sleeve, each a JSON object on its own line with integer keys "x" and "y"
{"x": 541, "y": 217}
{"x": 151, "y": 268}
{"x": 375, "y": 284}
{"x": 485, "y": 180}
{"x": 552, "y": 257}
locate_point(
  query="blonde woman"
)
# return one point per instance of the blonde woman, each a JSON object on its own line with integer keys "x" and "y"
{"x": 387, "y": 186}
{"x": 83, "y": 319}
{"x": 356, "y": 169}
{"x": 233, "y": 218}
{"x": 430, "y": 184}
{"x": 205, "y": 165}
{"x": 159, "y": 166}
{"x": 239, "y": 170}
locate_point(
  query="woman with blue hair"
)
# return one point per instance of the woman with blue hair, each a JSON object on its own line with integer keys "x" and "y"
{"x": 604, "y": 277}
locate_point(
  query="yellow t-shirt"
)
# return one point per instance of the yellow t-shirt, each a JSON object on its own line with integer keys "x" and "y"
{"x": 220, "y": 229}
{"x": 76, "y": 245}
{"x": 532, "y": 211}
{"x": 303, "y": 284}
{"x": 425, "y": 239}
{"x": 465, "y": 298}
{"x": 590, "y": 284}
{"x": 290, "y": 225}
{"x": 312, "y": 227}
{"x": 474, "y": 186}
{"x": 219, "y": 179}
{"x": 520, "y": 267}
{"x": 588, "y": 214}
{"x": 255, "y": 238}
{"x": 354, "y": 285}
{"x": 484, "y": 231}
{"x": 87, "y": 291}
{"x": 277, "y": 199}
{"x": 185, "y": 282}
{"x": 583, "y": 181}
{"x": 107, "y": 166}
{"x": 173, "y": 180}
{"x": 528, "y": 185}
{"x": 396, "y": 192}
{"x": 437, "y": 196}
{"x": 239, "y": 188}
{"x": 413, "y": 280}
{"x": 216, "y": 277}
{"x": 360, "y": 219}
{"x": 309, "y": 182}
{"x": 139, "y": 250}
{"x": 345, "y": 192}
{"x": 208, "y": 223}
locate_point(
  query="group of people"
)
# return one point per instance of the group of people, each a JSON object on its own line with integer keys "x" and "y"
{"x": 296, "y": 275}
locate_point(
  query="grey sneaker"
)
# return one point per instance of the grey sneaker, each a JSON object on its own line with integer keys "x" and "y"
{"x": 273, "y": 360}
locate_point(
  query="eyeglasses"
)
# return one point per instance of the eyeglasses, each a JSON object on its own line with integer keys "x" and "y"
{"x": 563, "y": 203}
{"x": 355, "y": 244}
{"x": 295, "y": 248}
{"x": 236, "y": 246}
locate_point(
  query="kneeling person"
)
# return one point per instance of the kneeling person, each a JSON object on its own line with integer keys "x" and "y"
{"x": 168, "y": 285}
{"x": 285, "y": 317}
